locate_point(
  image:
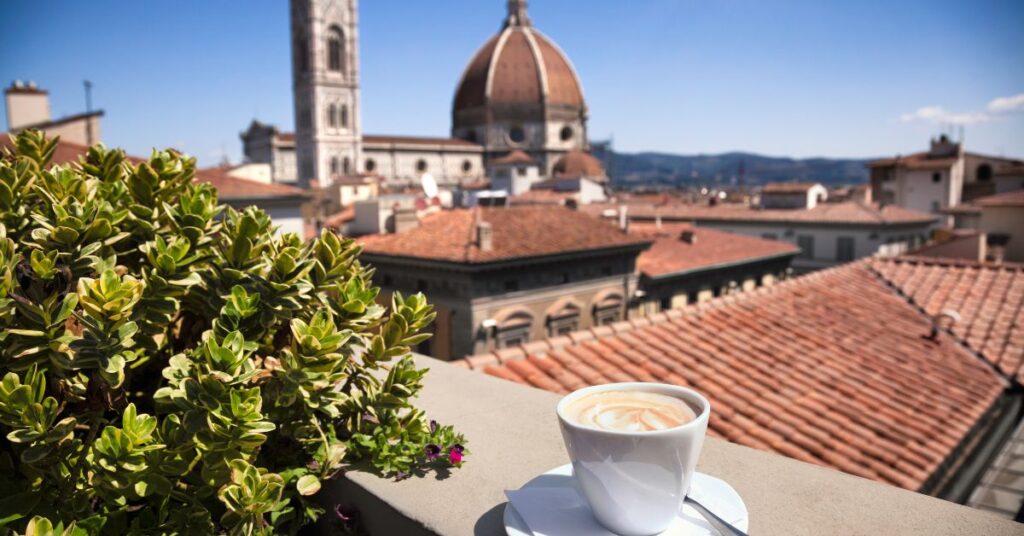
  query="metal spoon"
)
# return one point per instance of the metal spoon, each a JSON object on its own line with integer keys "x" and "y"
{"x": 722, "y": 526}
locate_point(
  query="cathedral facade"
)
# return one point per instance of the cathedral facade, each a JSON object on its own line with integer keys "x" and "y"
{"x": 519, "y": 92}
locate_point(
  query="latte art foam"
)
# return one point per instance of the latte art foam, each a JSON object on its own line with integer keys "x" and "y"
{"x": 629, "y": 411}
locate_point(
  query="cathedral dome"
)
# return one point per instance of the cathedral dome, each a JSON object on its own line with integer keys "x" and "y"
{"x": 519, "y": 67}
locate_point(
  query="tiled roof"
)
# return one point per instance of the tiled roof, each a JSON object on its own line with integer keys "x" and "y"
{"x": 286, "y": 137}
{"x": 341, "y": 217}
{"x": 832, "y": 368}
{"x": 989, "y": 299}
{"x": 518, "y": 232}
{"x": 515, "y": 157}
{"x": 923, "y": 160}
{"x": 50, "y": 123}
{"x": 788, "y": 187}
{"x": 670, "y": 254}
{"x": 543, "y": 197}
{"x": 417, "y": 140}
{"x": 847, "y": 212}
{"x": 232, "y": 188}
{"x": 915, "y": 161}
{"x": 1008, "y": 199}
{"x": 576, "y": 163}
{"x": 1015, "y": 169}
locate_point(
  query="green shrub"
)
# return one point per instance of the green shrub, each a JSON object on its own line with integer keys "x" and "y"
{"x": 171, "y": 366}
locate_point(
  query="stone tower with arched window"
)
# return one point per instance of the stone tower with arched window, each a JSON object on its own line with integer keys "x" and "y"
{"x": 325, "y": 75}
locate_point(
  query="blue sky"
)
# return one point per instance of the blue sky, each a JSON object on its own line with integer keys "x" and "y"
{"x": 789, "y": 77}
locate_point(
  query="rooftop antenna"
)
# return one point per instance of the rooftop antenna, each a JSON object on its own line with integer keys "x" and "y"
{"x": 88, "y": 110}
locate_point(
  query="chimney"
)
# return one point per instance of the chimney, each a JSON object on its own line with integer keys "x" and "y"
{"x": 26, "y": 105}
{"x": 484, "y": 236}
{"x": 688, "y": 236}
{"x": 405, "y": 219}
{"x": 623, "y": 220}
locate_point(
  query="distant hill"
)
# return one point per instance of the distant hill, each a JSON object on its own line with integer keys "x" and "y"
{"x": 661, "y": 169}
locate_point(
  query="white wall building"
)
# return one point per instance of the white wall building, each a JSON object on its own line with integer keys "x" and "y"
{"x": 943, "y": 177}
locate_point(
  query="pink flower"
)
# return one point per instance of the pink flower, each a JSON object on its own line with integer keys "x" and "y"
{"x": 455, "y": 454}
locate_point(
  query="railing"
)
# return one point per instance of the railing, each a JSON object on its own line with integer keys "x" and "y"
{"x": 513, "y": 436}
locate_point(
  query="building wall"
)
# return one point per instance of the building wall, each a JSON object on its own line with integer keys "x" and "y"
{"x": 867, "y": 240}
{"x": 254, "y": 172}
{"x": 1008, "y": 221}
{"x": 77, "y": 131}
{"x": 679, "y": 291}
{"x": 285, "y": 167}
{"x": 515, "y": 179}
{"x": 541, "y": 138}
{"x": 469, "y": 299}
{"x": 400, "y": 165}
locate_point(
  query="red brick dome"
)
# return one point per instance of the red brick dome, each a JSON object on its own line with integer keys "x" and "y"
{"x": 519, "y": 66}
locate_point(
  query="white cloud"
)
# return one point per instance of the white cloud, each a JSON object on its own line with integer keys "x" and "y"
{"x": 1007, "y": 104}
{"x": 938, "y": 114}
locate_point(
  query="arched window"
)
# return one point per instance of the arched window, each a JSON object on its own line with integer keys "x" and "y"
{"x": 334, "y": 165}
{"x": 607, "y": 308}
{"x": 335, "y": 49}
{"x": 332, "y": 115}
{"x": 467, "y": 166}
{"x": 512, "y": 327}
{"x": 344, "y": 116}
{"x": 370, "y": 165}
{"x": 566, "y": 133}
{"x": 346, "y": 166}
{"x": 563, "y": 318}
{"x": 517, "y": 134}
{"x": 421, "y": 165}
{"x": 984, "y": 173}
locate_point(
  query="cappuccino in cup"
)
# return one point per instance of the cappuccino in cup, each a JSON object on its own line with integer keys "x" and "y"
{"x": 634, "y": 449}
{"x": 629, "y": 411}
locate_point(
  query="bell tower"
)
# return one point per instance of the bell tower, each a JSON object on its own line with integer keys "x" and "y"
{"x": 325, "y": 81}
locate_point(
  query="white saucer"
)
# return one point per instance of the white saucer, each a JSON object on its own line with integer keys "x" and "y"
{"x": 713, "y": 493}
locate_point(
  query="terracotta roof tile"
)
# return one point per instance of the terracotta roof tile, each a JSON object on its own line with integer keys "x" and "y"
{"x": 988, "y": 298}
{"x": 518, "y": 232}
{"x": 671, "y": 255}
{"x": 830, "y": 368}
{"x": 847, "y": 212}
{"x": 1008, "y": 199}
{"x": 788, "y": 187}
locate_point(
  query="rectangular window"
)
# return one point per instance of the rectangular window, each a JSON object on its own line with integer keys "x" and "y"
{"x": 806, "y": 245}
{"x": 512, "y": 337}
{"x": 607, "y": 315}
{"x": 844, "y": 249}
{"x": 564, "y": 325}
{"x": 666, "y": 303}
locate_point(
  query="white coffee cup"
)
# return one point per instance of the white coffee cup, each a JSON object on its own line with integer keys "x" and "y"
{"x": 635, "y": 482}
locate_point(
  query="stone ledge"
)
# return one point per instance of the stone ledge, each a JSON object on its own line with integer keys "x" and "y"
{"x": 513, "y": 436}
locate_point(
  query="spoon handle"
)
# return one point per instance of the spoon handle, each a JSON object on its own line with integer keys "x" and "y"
{"x": 722, "y": 526}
